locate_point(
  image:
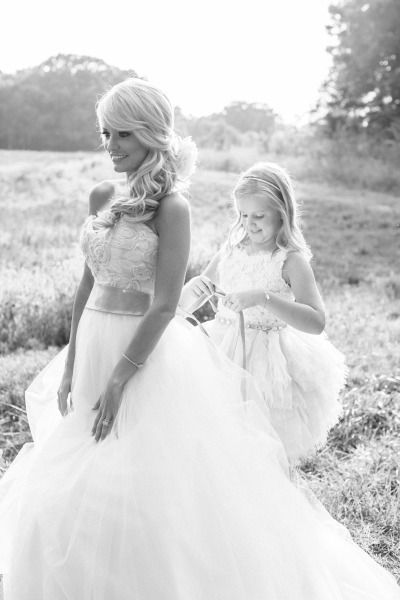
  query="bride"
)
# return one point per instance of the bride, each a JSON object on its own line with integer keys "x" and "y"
{"x": 157, "y": 475}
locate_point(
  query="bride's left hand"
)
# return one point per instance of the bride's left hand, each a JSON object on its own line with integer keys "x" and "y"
{"x": 108, "y": 405}
{"x": 238, "y": 301}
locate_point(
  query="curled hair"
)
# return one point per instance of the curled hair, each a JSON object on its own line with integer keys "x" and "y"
{"x": 139, "y": 106}
{"x": 273, "y": 182}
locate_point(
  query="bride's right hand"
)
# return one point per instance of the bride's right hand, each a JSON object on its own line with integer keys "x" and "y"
{"x": 63, "y": 391}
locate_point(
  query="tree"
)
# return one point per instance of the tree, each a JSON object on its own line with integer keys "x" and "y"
{"x": 235, "y": 125}
{"x": 363, "y": 88}
{"x": 51, "y": 106}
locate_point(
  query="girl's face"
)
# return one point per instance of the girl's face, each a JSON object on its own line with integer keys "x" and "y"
{"x": 126, "y": 152}
{"x": 260, "y": 219}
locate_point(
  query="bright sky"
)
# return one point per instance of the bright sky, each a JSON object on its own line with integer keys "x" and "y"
{"x": 203, "y": 53}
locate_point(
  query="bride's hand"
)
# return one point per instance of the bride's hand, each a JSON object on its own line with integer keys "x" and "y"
{"x": 107, "y": 405}
{"x": 63, "y": 391}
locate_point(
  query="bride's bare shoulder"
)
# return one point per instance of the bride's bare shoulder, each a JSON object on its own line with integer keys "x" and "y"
{"x": 101, "y": 194}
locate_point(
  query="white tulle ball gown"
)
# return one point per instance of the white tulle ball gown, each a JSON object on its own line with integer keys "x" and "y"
{"x": 299, "y": 374}
{"x": 188, "y": 498}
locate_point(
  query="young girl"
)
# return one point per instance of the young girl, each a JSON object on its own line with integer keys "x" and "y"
{"x": 264, "y": 270}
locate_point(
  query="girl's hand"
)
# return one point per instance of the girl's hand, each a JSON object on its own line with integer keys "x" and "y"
{"x": 195, "y": 292}
{"x": 238, "y": 301}
{"x": 108, "y": 405}
{"x": 201, "y": 285}
{"x": 63, "y": 391}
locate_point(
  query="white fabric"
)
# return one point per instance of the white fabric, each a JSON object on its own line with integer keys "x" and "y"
{"x": 188, "y": 498}
{"x": 300, "y": 374}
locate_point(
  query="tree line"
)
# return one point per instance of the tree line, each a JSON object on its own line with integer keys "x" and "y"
{"x": 51, "y": 106}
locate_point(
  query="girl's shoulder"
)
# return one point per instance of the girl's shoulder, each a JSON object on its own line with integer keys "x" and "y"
{"x": 294, "y": 261}
{"x": 295, "y": 258}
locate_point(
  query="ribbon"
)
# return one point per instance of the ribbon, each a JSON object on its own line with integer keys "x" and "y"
{"x": 209, "y": 298}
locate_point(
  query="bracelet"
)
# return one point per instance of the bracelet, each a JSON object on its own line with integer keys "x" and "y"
{"x": 137, "y": 365}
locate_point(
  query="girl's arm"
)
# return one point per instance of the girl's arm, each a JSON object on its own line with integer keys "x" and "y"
{"x": 197, "y": 289}
{"x": 211, "y": 270}
{"x": 306, "y": 314}
{"x": 173, "y": 227}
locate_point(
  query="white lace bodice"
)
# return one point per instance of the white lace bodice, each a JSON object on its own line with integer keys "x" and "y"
{"x": 240, "y": 271}
{"x": 123, "y": 255}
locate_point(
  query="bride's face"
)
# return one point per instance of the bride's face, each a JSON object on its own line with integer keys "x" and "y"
{"x": 126, "y": 152}
{"x": 260, "y": 219}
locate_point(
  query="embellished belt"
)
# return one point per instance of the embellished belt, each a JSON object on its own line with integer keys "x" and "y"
{"x": 121, "y": 301}
{"x": 251, "y": 324}
{"x": 240, "y": 323}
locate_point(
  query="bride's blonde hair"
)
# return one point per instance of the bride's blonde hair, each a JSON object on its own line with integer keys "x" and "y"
{"x": 141, "y": 107}
{"x": 273, "y": 182}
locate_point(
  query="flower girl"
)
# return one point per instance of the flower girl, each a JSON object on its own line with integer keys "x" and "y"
{"x": 271, "y": 316}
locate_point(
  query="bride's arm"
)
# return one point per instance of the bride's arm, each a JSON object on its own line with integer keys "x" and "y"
{"x": 98, "y": 197}
{"x": 173, "y": 227}
{"x": 82, "y": 294}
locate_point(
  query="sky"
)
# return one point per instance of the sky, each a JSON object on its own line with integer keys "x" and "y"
{"x": 203, "y": 53}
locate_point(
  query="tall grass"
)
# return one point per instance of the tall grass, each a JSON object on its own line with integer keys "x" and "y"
{"x": 353, "y": 162}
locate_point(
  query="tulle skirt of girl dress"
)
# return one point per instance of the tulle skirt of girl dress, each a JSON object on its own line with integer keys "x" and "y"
{"x": 299, "y": 374}
{"x": 188, "y": 498}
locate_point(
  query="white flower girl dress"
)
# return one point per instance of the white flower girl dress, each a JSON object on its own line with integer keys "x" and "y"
{"x": 299, "y": 374}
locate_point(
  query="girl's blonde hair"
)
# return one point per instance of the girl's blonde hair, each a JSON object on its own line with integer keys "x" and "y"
{"x": 141, "y": 107}
{"x": 273, "y": 182}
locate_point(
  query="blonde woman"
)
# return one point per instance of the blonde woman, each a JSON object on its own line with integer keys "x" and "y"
{"x": 152, "y": 477}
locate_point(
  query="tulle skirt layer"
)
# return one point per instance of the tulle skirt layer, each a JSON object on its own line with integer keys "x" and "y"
{"x": 188, "y": 498}
{"x": 300, "y": 376}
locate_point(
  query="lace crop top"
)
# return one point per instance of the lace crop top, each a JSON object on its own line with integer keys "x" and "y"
{"x": 123, "y": 255}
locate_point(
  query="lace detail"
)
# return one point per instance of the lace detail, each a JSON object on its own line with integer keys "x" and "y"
{"x": 124, "y": 255}
{"x": 239, "y": 271}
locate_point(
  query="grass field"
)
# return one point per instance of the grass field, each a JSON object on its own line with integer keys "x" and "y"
{"x": 354, "y": 234}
